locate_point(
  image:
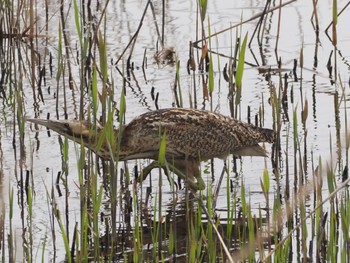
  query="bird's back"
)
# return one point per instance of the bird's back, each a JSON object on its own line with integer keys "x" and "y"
{"x": 191, "y": 133}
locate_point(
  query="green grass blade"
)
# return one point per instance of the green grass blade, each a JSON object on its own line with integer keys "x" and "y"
{"x": 162, "y": 150}
{"x": 77, "y": 22}
{"x": 94, "y": 92}
{"x": 240, "y": 69}
{"x": 203, "y": 7}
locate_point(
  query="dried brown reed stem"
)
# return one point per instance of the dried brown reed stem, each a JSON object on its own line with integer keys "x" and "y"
{"x": 67, "y": 45}
{"x": 303, "y": 192}
{"x": 315, "y": 15}
{"x": 195, "y": 44}
{"x": 277, "y": 224}
{"x": 134, "y": 37}
{"x": 278, "y": 28}
{"x": 163, "y": 22}
{"x": 259, "y": 27}
{"x": 291, "y": 206}
{"x": 156, "y": 25}
{"x": 212, "y": 222}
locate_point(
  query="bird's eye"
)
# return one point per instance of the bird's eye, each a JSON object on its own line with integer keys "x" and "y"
{"x": 66, "y": 125}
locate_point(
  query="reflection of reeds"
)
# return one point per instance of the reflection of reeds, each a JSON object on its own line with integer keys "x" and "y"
{"x": 116, "y": 221}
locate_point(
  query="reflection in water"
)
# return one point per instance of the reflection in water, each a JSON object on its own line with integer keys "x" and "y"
{"x": 180, "y": 229}
{"x": 59, "y": 202}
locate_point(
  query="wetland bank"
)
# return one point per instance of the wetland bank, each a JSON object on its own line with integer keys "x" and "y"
{"x": 282, "y": 65}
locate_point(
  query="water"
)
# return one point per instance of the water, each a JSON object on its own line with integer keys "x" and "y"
{"x": 42, "y": 156}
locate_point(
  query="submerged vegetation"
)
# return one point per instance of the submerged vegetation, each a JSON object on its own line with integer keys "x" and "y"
{"x": 106, "y": 63}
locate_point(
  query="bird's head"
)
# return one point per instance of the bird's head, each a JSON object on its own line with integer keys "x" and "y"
{"x": 82, "y": 132}
{"x": 70, "y": 128}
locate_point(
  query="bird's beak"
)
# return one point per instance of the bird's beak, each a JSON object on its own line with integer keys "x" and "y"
{"x": 61, "y": 127}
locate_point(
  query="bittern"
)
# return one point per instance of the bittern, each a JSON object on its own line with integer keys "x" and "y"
{"x": 191, "y": 136}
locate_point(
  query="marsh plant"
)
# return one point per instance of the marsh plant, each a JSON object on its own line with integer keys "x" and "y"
{"x": 281, "y": 65}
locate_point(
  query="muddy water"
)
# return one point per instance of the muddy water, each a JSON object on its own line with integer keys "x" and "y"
{"x": 43, "y": 156}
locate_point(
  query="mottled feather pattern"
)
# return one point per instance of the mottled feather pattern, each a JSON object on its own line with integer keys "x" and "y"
{"x": 191, "y": 137}
{"x": 196, "y": 133}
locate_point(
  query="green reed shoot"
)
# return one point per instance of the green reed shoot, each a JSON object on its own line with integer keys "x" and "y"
{"x": 43, "y": 249}
{"x": 65, "y": 151}
{"x": 64, "y": 236}
{"x": 137, "y": 233}
{"x": 345, "y": 217}
{"x": 155, "y": 229}
{"x": 295, "y": 143}
{"x": 192, "y": 242}
{"x": 265, "y": 183}
{"x": 103, "y": 57}
{"x": 172, "y": 240}
{"x": 331, "y": 179}
{"x": 231, "y": 204}
{"x": 162, "y": 150}
{"x": 243, "y": 199}
{"x": 96, "y": 194}
{"x": 320, "y": 231}
{"x": 203, "y": 8}
{"x": 211, "y": 70}
{"x": 162, "y": 161}
{"x": 240, "y": 69}
{"x": 10, "y": 237}
{"x": 304, "y": 232}
{"x": 84, "y": 230}
{"x": 332, "y": 241}
{"x": 20, "y": 118}
{"x": 94, "y": 93}
{"x": 251, "y": 234}
{"x": 77, "y": 21}
{"x": 178, "y": 83}
{"x": 197, "y": 239}
{"x": 210, "y": 235}
{"x": 334, "y": 22}
{"x": 30, "y": 247}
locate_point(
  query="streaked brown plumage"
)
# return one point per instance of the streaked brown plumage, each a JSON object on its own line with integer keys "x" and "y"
{"x": 191, "y": 136}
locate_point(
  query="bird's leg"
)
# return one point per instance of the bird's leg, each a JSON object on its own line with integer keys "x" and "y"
{"x": 185, "y": 169}
{"x": 147, "y": 170}
{"x": 199, "y": 185}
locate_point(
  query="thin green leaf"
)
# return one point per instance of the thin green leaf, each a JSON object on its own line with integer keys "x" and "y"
{"x": 203, "y": 7}
{"x": 77, "y": 23}
{"x": 94, "y": 92}
{"x": 335, "y": 12}
{"x": 103, "y": 57}
{"x": 122, "y": 107}
{"x": 162, "y": 150}
{"x": 240, "y": 69}
{"x": 211, "y": 70}
{"x": 266, "y": 179}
